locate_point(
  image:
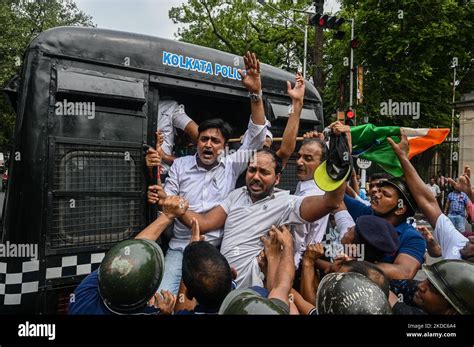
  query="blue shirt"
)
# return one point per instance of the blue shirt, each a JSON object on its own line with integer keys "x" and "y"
{"x": 411, "y": 241}
{"x": 457, "y": 203}
{"x": 87, "y": 300}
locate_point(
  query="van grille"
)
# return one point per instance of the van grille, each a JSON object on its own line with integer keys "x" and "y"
{"x": 97, "y": 197}
{"x": 289, "y": 180}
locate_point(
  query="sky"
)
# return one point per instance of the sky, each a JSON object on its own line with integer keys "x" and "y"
{"x": 148, "y": 17}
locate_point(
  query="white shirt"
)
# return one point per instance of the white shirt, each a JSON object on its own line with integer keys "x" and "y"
{"x": 206, "y": 189}
{"x": 170, "y": 115}
{"x": 449, "y": 238}
{"x": 307, "y": 234}
{"x": 247, "y": 222}
{"x": 434, "y": 189}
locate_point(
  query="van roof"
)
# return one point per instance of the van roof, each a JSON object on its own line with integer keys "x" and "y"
{"x": 160, "y": 56}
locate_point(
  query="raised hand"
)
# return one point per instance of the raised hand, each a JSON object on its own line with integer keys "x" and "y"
{"x": 463, "y": 184}
{"x": 251, "y": 78}
{"x": 297, "y": 92}
{"x": 313, "y": 134}
{"x": 400, "y": 149}
{"x": 339, "y": 128}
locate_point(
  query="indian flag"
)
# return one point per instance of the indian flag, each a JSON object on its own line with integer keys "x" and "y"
{"x": 370, "y": 142}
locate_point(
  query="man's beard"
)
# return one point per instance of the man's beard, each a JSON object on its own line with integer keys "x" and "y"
{"x": 262, "y": 194}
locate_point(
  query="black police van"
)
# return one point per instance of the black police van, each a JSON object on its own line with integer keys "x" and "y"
{"x": 86, "y": 102}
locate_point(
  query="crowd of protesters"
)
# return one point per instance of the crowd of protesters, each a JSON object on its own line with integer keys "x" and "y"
{"x": 258, "y": 249}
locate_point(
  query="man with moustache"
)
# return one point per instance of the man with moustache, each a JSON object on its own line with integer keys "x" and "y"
{"x": 249, "y": 212}
{"x": 205, "y": 179}
{"x": 311, "y": 154}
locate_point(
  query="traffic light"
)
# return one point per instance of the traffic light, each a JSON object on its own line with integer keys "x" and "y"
{"x": 350, "y": 117}
{"x": 329, "y": 22}
{"x": 355, "y": 43}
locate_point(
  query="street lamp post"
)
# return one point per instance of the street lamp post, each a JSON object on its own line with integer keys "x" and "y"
{"x": 304, "y": 30}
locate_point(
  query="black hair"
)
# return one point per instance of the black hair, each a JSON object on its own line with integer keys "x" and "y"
{"x": 380, "y": 175}
{"x": 370, "y": 271}
{"x": 276, "y": 159}
{"x": 321, "y": 144}
{"x": 206, "y": 274}
{"x": 216, "y": 123}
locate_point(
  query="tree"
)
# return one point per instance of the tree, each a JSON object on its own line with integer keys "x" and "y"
{"x": 239, "y": 26}
{"x": 406, "y": 50}
{"x": 20, "y": 22}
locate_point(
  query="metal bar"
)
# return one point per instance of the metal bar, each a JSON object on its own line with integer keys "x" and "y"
{"x": 305, "y": 49}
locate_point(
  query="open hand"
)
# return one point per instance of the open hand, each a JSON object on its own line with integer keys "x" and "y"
{"x": 297, "y": 92}
{"x": 401, "y": 148}
{"x": 463, "y": 184}
{"x": 251, "y": 79}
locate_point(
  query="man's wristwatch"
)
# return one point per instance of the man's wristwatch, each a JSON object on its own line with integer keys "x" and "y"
{"x": 254, "y": 97}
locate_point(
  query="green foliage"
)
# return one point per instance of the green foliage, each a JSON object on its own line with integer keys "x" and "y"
{"x": 404, "y": 59}
{"x": 20, "y": 22}
{"x": 239, "y": 26}
{"x": 408, "y": 58}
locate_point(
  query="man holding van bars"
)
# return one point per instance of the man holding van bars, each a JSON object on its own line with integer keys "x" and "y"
{"x": 205, "y": 179}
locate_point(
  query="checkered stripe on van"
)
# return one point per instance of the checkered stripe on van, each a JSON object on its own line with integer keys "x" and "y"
{"x": 18, "y": 279}
{"x": 73, "y": 265}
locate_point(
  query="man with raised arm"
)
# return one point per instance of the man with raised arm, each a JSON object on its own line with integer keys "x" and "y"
{"x": 205, "y": 179}
{"x": 453, "y": 244}
{"x": 249, "y": 212}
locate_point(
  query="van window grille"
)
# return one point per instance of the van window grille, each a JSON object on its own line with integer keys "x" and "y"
{"x": 289, "y": 180}
{"x": 97, "y": 195}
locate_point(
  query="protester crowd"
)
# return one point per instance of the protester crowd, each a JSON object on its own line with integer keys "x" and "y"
{"x": 258, "y": 249}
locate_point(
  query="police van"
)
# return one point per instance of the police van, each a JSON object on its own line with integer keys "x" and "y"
{"x": 86, "y": 102}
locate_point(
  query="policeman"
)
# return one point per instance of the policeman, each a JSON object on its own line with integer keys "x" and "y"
{"x": 130, "y": 274}
{"x": 447, "y": 290}
{"x": 350, "y": 293}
